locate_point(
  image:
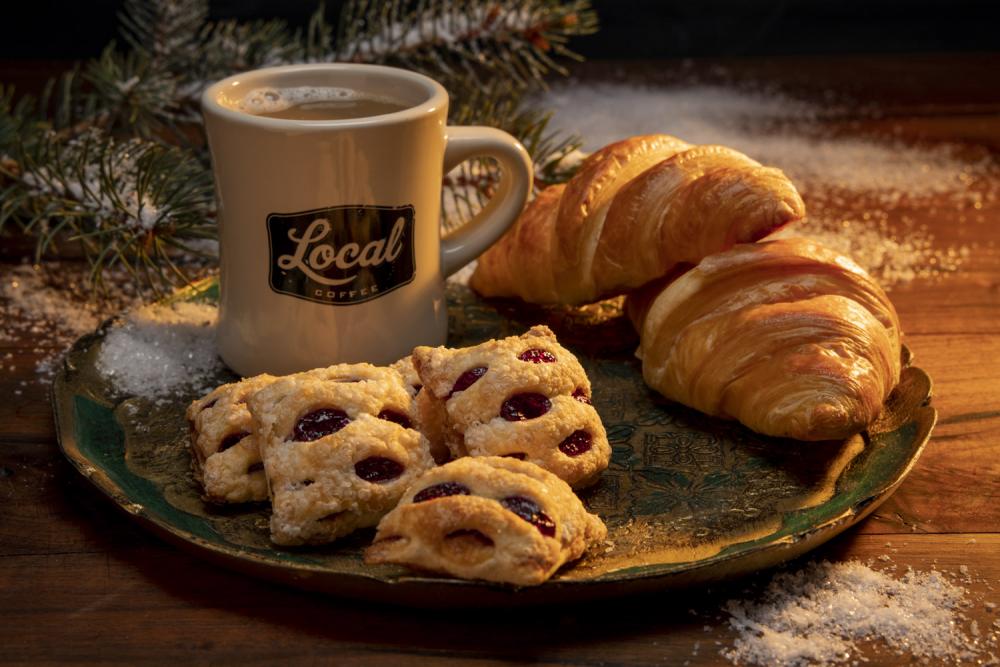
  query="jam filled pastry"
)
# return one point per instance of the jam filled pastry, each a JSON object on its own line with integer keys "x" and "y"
{"x": 489, "y": 518}
{"x": 339, "y": 449}
{"x": 431, "y": 415}
{"x": 524, "y": 397}
{"x": 226, "y": 459}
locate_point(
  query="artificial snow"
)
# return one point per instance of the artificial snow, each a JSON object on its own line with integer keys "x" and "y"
{"x": 820, "y": 615}
{"x": 50, "y": 306}
{"x": 39, "y": 307}
{"x": 162, "y": 350}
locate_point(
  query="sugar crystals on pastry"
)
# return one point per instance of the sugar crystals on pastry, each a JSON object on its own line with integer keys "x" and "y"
{"x": 339, "y": 448}
{"x": 225, "y": 455}
{"x": 489, "y": 517}
{"x": 524, "y": 397}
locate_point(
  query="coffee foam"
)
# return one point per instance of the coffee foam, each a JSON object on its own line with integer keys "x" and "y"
{"x": 273, "y": 100}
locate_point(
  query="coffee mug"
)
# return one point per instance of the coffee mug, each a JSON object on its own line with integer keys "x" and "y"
{"x": 330, "y": 242}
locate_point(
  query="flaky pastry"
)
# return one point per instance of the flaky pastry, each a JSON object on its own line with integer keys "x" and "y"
{"x": 339, "y": 449}
{"x": 226, "y": 458}
{"x": 525, "y": 397}
{"x": 489, "y": 518}
{"x": 633, "y": 211}
{"x": 787, "y": 336}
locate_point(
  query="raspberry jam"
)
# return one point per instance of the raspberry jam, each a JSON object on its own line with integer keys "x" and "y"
{"x": 576, "y": 443}
{"x": 537, "y": 356}
{"x": 467, "y": 379}
{"x": 395, "y": 417}
{"x": 528, "y": 509}
{"x": 580, "y": 395}
{"x": 520, "y": 407}
{"x": 441, "y": 490}
{"x": 318, "y": 423}
{"x": 231, "y": 440}
{"x": 377, "y": 469}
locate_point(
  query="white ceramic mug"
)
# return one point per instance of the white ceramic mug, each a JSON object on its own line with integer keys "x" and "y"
{"x": 330, "y": 242}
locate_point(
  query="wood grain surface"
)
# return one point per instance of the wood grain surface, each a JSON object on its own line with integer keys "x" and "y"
{"x": 80, "y": 583}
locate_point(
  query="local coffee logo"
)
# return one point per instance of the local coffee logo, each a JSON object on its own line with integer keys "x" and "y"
{"x": 341, "y": 255}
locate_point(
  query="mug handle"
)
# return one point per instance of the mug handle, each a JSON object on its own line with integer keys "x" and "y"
{"x": 469, "y": 241}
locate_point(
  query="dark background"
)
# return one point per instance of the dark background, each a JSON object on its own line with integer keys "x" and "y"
{"x": 46, "y": 29}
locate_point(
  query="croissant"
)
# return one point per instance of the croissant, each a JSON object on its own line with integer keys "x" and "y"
{"x": 786, "y": 336}
{"x": 635, "y": 209}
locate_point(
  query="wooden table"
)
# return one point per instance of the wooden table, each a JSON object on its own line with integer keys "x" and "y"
{"x": 80, "y": 582}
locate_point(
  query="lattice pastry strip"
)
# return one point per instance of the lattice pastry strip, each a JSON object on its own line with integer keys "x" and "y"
{"x": 489, "y": 518}
{"x": 225, "y": 455}
{"x": 524, "y": 396}
{"x": 338, "y": 449}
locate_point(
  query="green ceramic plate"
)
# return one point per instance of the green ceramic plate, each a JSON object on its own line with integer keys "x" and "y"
{"x": 687, "y": 499}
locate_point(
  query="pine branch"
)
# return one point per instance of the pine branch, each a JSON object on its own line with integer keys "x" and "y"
{"x": 13, "y": 118}
{"x": 454, "y": 40}
{"x": 136, "y": 96}
{"x": 165, "y": 32}
{"x": 65, "y": 104}
{"x": 229, "y": 47}
{"x": 117, "y": 200}
{"x": 318, "y": 44}
{"x": 177, "y": 38}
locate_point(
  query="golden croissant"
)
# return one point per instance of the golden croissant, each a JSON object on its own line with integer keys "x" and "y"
{"x": 786, "y": 336}
{"x": 634, "y": 210}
